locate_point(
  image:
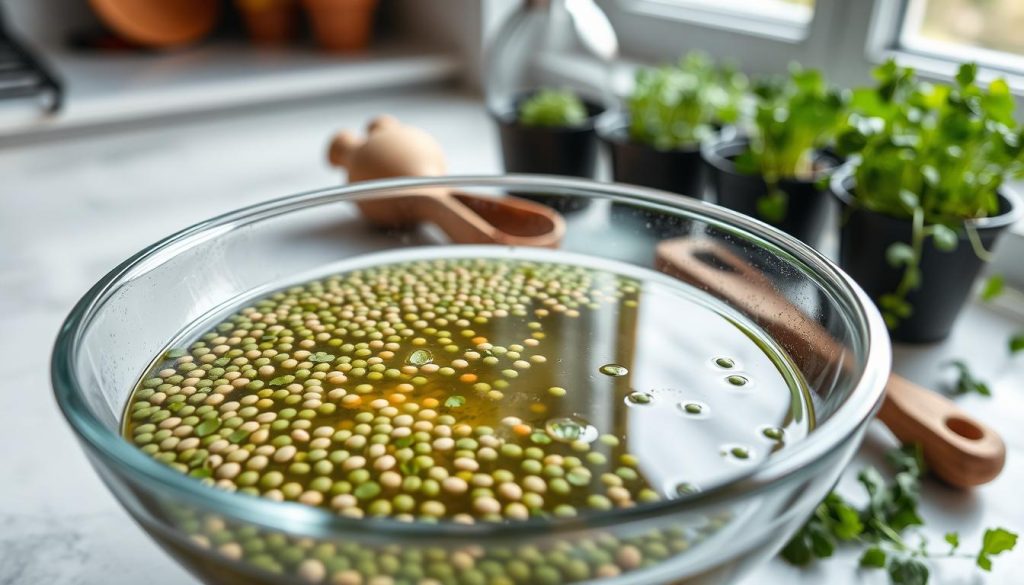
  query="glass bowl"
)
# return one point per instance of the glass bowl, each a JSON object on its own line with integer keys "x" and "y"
{"x": 829, "y": 329}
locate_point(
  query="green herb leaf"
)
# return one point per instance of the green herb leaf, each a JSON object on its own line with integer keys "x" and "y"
{"x": 994, "y": 286}
{"x": 1017, "y": 343}
{"x": 873, "y": 557}
{"x": 282, "y": 380}
{"x": 321, "y": 357}
{"x": 455, "y": 401}
{"x": 899, "y": 254}
{"x": 907, "y": 571}
{"x": 207, "y": 427}
{"x": 772, "y": 207}
{"x": 995, "y": 541}
{"x": 953, "y": 538}
{"x": 945, "y": 238}
{"x": 967, "y": 382}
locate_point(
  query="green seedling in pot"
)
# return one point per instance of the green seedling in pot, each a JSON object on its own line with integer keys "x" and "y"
{"x": 936, "y": 155}
{"x": 677, "y": 106}
{"x": 553, "y": 108}
{"x": 793, "y": 118}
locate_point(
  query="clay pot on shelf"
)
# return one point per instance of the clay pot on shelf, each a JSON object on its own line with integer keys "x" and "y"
{"x": 341, "y": 25}
{"x": 158, "y": 24}
{"x": 269, "y": 22}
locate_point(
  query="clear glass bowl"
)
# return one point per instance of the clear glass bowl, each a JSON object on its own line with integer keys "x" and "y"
{"x": 712, "y": 536}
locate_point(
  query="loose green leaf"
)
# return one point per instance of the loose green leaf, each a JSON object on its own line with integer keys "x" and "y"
{"x": 994, "y": 542}
{"x": 321, "y": 357}
{"x": 873, "y": 557}
{"x": 907, "y": 571}
{"x": 953, "y": 539}
{"x": 1017, "y": 343}
{"x": 993, "y": 287}
{"x": 966, "y": 381}
{"x": 455, "y": 401}
{"x": 207, "y": 427}
{"x": 282, "y": 380}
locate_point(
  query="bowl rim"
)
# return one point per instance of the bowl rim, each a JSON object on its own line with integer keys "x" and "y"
{"x": 849, "y": 418}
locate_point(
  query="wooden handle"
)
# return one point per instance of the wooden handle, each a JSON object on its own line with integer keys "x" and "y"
{"x": 473, "y": 219}
{"x": 958, "y": 448}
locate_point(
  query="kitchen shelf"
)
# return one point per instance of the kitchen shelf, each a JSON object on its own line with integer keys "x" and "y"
{"x": 106, "y": 88}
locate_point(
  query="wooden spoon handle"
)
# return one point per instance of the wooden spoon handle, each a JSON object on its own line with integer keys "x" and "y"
{"x": 476, "y": 219}
{"x": 957, "y": 447}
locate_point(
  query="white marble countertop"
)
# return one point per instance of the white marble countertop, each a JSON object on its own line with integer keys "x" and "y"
{"x": 72, "y": 209}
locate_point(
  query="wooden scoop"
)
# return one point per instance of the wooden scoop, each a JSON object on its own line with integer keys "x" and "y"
{"x": 959, "y": 449}
{"x": 392, "y": 149}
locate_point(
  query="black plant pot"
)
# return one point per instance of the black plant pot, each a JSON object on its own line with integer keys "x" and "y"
{"x": 679, "y": 171}
{"x": 548, "y": 150}
{"x": 808, "y": 204}
{"x": 946, "y": 277}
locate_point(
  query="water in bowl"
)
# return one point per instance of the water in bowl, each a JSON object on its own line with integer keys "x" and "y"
{"x": 470, "y": 384}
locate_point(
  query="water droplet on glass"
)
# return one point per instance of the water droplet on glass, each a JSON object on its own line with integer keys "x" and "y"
{"x": 570, "y": 429}
{"x": 694, "y": 409}
{"x": 614, "y": 370}
{"x": 737, "y": 380}
{"x": 420, "y": 357}
{"x": 638, "y": 398}
{"x": 724, "y": 362}
{"x": 773, "y": 433}
{"x": 686, "y": 488}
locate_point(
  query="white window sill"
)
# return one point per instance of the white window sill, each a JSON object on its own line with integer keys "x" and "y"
{"x": 108, "y": 88}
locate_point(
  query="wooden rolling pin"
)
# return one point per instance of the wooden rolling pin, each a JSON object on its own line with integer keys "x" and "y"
{"x": 392, "y": 149}
{"x": 959, "y": 449}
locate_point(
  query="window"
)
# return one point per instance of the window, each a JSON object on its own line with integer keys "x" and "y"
{"x": 988, "y": 31}
{"x": 794, "y": 11}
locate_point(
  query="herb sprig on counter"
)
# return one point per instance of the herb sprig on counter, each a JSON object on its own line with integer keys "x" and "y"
{"x": 967, "y": 382}
{"x": 880, "y": 525}
{"x": 1016, "y": 343}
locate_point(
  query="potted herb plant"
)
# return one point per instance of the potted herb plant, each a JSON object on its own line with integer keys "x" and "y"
{"x": 550, "y": 131}
{"x": 776, "y": 172}
{"x": 924, "y": 199}
{"x": 672, "y": 109}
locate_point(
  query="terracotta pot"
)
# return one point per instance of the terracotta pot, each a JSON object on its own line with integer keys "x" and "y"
{"x": 158, "y": 24}
{"x": 341, "y": 25}
{"x": 269, "y": 22}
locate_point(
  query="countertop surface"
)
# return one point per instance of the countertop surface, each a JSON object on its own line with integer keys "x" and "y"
{"x": 71, "y": 209}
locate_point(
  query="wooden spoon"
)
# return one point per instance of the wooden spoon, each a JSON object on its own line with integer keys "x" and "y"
{"x": 393, "y": 149}
{"x": 959, "y": 449}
